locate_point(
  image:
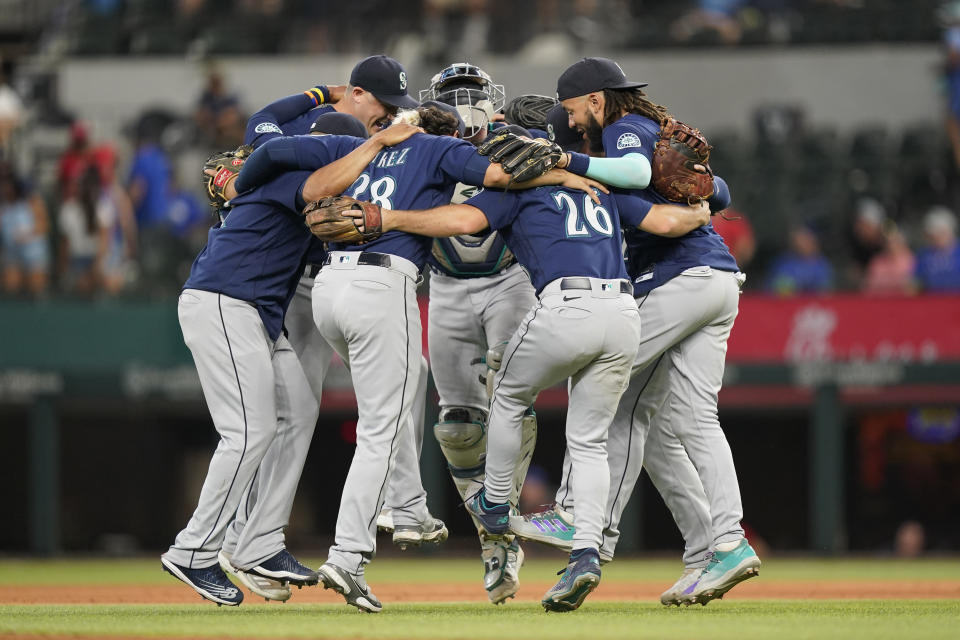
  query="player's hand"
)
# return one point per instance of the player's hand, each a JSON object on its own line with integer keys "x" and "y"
{"x": 703, "y": 212}
{"x": 395, "y": 134}
{"x": 587, "y": 185}
{"x": 229, "y": 191}
{"x": 498, "y": 117}
{"x": 336, "y": 92}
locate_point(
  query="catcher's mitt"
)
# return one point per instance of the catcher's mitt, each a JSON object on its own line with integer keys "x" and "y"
{"x": 225, "y": 166}
{"x": 678, "y": 150}
{"x": 523, "y": 158}
{"x": 327, "y": 221}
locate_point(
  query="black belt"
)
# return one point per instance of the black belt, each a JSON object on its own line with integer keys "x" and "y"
{"x": 584, "y": 283}
{"x": 312, "y": 270}
{"x": 370, "y": 258}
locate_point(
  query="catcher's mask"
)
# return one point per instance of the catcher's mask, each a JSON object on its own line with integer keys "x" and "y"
{"x": 471, "y": 91}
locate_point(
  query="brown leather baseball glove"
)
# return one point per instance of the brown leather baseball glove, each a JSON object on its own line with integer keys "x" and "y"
{"x": 224, "y": 167}
{"x": 343, "y": 219}
{"x": 680, "y": 169}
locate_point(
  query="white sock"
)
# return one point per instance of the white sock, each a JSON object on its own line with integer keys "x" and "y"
{"x": 727, "y": 546}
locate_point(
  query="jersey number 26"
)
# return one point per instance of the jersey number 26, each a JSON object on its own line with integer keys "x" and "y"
{"x": 592, "y": 215}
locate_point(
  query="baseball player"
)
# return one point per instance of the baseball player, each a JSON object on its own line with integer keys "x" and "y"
{"x": 478, "y": 297}
{"x": 687, "y": 290}
{"x": 581, "y": 328}
{"x": 377, "y": 88}
{"x": 365, "y": 305}
{"x": 231, "y": 313}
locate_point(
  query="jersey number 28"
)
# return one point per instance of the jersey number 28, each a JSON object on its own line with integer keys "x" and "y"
{"x": 380, "y": 190}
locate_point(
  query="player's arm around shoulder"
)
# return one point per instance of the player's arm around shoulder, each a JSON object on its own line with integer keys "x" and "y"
{"x": 674, "y": 221}
{"x": 670, "y": 220}
{"x": 497, "y": 178}
{"x": 439, "y": 222}
{"x": 337, "y": 176}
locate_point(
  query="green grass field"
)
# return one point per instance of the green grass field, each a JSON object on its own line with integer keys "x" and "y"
{"x": 598, "y": 619}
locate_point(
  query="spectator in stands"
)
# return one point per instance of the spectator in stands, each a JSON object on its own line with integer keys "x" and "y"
{"x": 74, "y": 160}
{"x": 718, "y": 16}
{"x": 92, "y": 251}
{"x": 23, "y": 236}
{"x": 866, "y": 238}
{"x": 11, "y": 106}
{"x": 737, "y": 233}
{"x": 149, "y": 181}
{"x": 891, "y": 270}
{"x": 217, "y": 115}
{"x": 950, "y": 18}
{"x": 938, "y": 265}
{"x": 802, "y": 269}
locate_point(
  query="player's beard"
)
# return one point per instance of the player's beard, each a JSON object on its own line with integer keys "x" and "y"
{"x": 594, "y": 133}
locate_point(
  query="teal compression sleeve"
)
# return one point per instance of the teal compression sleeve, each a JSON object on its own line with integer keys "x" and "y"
{"x": 631, "y": 171}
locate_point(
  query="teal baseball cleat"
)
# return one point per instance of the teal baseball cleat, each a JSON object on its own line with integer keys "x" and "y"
{"x": 553, "y": 527}
{"x": 724, "y": 571}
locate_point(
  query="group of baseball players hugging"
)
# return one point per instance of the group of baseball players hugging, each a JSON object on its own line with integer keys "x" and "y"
{"x": 585, "y": 274}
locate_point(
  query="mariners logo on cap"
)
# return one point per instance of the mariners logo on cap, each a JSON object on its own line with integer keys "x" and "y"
{"x": 403, "y": 80}
{"x": 628, "y": 140}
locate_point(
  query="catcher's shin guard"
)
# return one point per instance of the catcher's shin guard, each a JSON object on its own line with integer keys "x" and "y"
{"x": 462, "y": 435}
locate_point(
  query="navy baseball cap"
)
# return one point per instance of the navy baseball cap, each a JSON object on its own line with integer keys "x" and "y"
{"x": 593, "y": 74}
{"x": 559, "y": 131}
{"x": 338, "y": 124}
{"x": 443, "y": 106}
{"x": 385, "y": 78}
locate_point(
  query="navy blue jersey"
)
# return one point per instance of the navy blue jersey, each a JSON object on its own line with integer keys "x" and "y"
{"x": 653, "y": 260}
{"x": 556, "y": 232}
{"x": 257, "y": 253}
{"x": 419, "y": 173}
{"x": 290, "y": 116}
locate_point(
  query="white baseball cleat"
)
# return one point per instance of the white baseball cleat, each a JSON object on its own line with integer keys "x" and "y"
{"x": 385, "y": 520}
{"x": 501, "y": 569}
{"x": 687, "y": 579}
{"x": 266, "y": 588}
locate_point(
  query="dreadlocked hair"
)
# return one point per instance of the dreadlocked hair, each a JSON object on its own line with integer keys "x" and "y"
{"x": 433, "y": 120}
{"x": 620, "y": 101}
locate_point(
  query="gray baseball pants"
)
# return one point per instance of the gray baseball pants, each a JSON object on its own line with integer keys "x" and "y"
{"x": 259, "y": 398}
{"x": 667, "y": 418}
{"x": 468, "y": 316}
{"x": 591, "y": 337}
{"x": 370, "y": 316}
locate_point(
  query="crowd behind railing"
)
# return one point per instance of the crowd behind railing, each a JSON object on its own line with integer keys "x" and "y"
{"x": 864, "y": 221}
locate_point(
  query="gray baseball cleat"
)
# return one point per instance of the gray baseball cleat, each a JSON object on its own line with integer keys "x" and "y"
{"x": 433, "y": 530}
{"x": 353, "y": 588}
{"x": 501, "y": 569}
{"x": 687, "y": 579}
{"x": 266, "y": 588}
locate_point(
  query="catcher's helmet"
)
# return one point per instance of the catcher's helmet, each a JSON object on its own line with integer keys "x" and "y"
{"x": 471, "y": 90}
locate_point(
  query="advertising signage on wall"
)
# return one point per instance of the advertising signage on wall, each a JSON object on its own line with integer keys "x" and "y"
{"x": 920, "y": 330}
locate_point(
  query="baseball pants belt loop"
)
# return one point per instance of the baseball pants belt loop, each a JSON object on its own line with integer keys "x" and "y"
{"x": 352, "y": 259}
{"x": 597, "y": 285}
